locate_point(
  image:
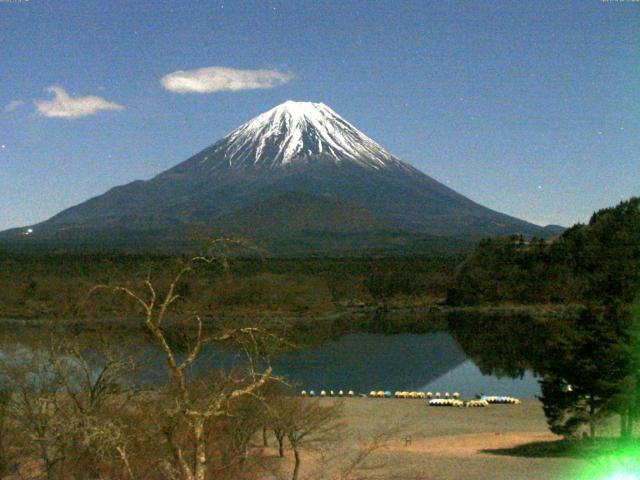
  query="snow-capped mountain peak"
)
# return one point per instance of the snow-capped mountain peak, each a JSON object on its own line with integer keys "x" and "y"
{"x": 297, "y": 132}
{"x": 297, "y": 175}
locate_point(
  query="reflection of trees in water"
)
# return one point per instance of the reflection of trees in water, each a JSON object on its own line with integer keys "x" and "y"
{"x": 359, "y": 361}
{"x": 364, "y": 362}
{"x": 500, "y": 345}
{"x": 504, "y": 345}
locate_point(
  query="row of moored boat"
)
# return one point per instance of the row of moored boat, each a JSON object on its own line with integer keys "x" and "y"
{"x": 434, "y": 399}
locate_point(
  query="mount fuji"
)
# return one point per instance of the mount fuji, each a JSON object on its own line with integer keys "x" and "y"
{"x": 298, "y": 171}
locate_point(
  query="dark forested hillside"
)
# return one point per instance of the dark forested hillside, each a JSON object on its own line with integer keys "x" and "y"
{"x": 601, "y": 257}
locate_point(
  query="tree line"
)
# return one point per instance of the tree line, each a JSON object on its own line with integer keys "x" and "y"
{"x": 55, "y": 286}
{"x": 589, "y": 359}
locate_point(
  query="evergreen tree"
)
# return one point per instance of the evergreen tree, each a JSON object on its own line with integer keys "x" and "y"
{"x": 586, "y": 367}
{"x": 627, "y": 401}
{"x": 600, "y": 359}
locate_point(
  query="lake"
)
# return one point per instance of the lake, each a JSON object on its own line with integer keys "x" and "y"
{"x": 362, "y": 362}
{"x": 427, "y": 362}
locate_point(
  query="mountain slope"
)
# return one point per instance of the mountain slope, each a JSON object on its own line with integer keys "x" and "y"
{"x": 297, "y": 212}
{"x": 295, "y": 147}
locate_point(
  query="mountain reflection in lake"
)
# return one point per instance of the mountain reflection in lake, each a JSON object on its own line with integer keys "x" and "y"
{"x": 364, "y": 362}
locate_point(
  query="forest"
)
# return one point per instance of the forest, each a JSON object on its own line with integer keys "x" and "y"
{"x": 53, "y": 286}
{"x": 587, "y": 359}
{"x": 600, "y": 258}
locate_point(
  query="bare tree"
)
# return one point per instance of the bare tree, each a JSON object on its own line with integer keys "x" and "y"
{"x": 95, "y": 387}
{"x": 63, "y": 399}
{"x": 308, "y": 422}
{"x": 78, "y": 411}
{"x": 351, "y": 455}
{"x": 276, "y": 417}
{"x": 33, "y": 407}
{"x": 188, "y": 411}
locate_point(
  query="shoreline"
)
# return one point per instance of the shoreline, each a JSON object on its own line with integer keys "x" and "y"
{"x": 393, "y": 313}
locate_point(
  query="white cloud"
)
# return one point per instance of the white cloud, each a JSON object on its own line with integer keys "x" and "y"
{"x": 218, "y": 79}
{"x": 13, "y": 105}
{"x": 64, "y": 106}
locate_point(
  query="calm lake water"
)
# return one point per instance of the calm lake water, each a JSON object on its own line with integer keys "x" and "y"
{"x": 363, "y": 362}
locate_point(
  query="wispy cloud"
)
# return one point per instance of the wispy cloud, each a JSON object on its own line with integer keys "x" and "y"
{"x": 13, "y": 105}
{"x": 218, "y": 79}
{"x": 64, "y": 106}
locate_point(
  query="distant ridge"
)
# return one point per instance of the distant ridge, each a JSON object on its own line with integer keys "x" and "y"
{"x": 555, "y": 229}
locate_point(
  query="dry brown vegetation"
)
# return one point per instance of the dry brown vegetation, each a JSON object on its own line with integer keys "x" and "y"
{"x": 78, "y": 408}
{"x": 75, "y": 411}
{"x": 55, "y": 286}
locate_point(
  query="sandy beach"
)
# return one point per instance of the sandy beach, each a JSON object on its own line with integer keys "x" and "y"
{"x": 495, "y": 442}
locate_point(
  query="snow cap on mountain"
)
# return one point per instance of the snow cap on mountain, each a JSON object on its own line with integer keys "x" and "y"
{"x": 298, "y": 131}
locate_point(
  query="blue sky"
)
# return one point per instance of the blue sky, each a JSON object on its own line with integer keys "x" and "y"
{"x": 530, "y": 108}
